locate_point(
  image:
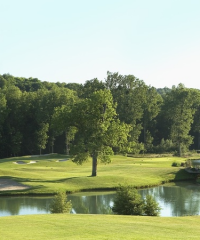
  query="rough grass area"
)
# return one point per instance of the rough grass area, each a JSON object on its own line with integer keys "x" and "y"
{"x": 65, "y": 226}
{"x": 50, "y": 173}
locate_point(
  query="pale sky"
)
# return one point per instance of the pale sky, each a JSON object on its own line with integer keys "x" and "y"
{"x": 157, "y": 41}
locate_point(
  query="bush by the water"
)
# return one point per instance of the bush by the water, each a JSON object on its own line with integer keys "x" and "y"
{"x": 175, "y": 164}
{"x": 129, "y": 202}
{"x": 60, "y": 204}
{"x": 151, "y": 207}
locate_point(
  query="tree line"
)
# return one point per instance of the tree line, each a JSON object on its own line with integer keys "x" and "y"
{"x": 97, "y": 118}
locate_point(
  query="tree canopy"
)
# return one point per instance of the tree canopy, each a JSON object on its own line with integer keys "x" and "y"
{"x": 98, "y": 129}
{"x": 96, "y": 119}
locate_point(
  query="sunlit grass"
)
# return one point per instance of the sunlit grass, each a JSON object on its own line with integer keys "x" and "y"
{"x": 112, "y": 227}
{"x": 48, "y": 175}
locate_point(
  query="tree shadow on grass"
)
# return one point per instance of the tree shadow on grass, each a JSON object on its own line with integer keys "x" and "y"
{"x": 29, "y": 180}
{"x": 183, "y": 175}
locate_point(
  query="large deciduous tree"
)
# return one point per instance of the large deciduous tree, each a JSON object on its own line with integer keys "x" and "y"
{"x": 151, "y": 108}
{"x": 130, "y": 94}
{"x": 91, "y": 86}
{"x": 98, "y": 129}
{"x": 13, "y": 121}
{"x": 195, "y": 130}
{"x": 179, "y": 109}
{"x": 61, "y": 121}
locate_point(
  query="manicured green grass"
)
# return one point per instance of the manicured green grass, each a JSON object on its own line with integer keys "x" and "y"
{"x": 47, "y": 175}
{"x": 64, "y": 226}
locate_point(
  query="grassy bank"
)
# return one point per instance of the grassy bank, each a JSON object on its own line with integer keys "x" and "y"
{"x": 48, "y": 174}
{"x": 63, "y": 226}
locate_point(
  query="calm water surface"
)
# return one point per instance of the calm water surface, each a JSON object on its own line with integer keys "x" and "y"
{"x": 178, "y": 199}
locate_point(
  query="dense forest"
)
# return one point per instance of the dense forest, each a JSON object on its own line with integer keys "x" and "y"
{"x": 98, "y": 118}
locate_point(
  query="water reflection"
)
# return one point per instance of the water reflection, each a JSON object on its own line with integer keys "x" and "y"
{"x": 24, "y": 205}
{"x": 178, "y": 199}
{"x": 92, "y": 203}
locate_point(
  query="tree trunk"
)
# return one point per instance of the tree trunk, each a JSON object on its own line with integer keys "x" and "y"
{"x": 67, "y": 143}
{"x": 94, "y": 165}
{"x": 144, "y": 129}
{"x": 52, "y": 145}
{"x": 67, "y": 150}
{"x": 198, "y": 141}
{"x": 180, "y": 152}
{"x": 52, "y": 149}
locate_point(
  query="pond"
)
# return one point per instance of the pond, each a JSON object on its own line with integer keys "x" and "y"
{"x": 177, "y": 199}
{"x": 195, "y": 163}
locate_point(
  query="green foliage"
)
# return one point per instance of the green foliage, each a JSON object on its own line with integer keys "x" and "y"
{"x": 129, "y": 202}
{"x": 148, "y": 142}
{"x": 151, "y": 107}
{"x": 129, "y": 93}
{"x": 81, "y": 157}
{"x": 165, "y": 146}
{"x": 179, "y": 110}
{"x": 133, "y": 148}
{"x": 175, "y": 164}
{"x": 90, "y": 87}
{"x": 41, "y": 135}
{"x": 163, "y": 91}
{"x": 98, "y": 129}
{"x": 122, "y": 113}
{"x": 151, "y": 207}
{"x": 60, "y": 204}
{"x": 188, "y": 163}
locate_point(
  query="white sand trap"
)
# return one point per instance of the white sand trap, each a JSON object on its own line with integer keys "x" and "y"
{"x": 8, "y": 184}
{"x": 31, "y": 162}
{"x": 21, "y": 162}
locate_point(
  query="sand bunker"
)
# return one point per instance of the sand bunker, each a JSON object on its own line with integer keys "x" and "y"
{"x": 21, "y": 162}
{"x": 32, "y": 162}
{"x": 8, "y": 185}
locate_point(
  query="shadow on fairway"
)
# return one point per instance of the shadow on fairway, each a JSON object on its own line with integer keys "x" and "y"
{"x": 183, "y": 175}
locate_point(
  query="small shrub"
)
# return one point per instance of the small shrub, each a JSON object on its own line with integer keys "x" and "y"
{"x": 128, "y": 201}
{"x": 182, "y": 164}
{"x": 151, "y": 207}
{"x": 188, "y": 163}
{"x": 175, "y": 164}
{"x": 60, "y": 204}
